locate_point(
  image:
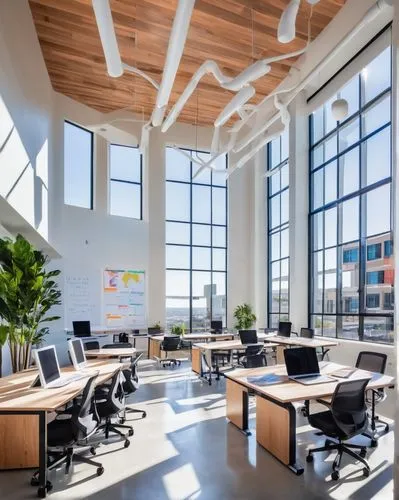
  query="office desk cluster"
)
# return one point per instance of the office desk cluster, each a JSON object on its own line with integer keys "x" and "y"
{"x": 275, "y": 413}
{"x": 24, "y": 410}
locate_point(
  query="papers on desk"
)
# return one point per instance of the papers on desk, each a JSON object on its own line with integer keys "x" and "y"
{"x": 269, "y": 379}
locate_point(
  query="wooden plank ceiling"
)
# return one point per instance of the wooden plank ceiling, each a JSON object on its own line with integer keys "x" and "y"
{"x": 234, "y": 33}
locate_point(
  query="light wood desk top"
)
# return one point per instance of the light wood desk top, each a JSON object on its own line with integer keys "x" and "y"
{"x": 110, "y": 353}
{"x": 17, "y": 395}
{"x": 289, "y": 391}
{"x": 301, "y": 341}
{"x": 198, "y": 336}
{"x": 225, "y": 346}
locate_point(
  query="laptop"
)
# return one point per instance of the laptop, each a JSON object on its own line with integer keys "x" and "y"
{"x": 49, "y": 369}
{"x": 217, "y": 326}
{"x": 249, "y": 337}
{"x": 77, "y": 353}
{"x": 303, "y": 367}
{"x": 81, "y": 328}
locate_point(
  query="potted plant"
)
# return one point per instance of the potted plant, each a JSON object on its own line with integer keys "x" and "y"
{"x": 245, "y": 317}
{"x": 27, "y": 293}
{"x": 178, "y": 329}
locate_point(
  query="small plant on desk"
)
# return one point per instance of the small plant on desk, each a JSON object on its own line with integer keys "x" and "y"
{"x": 178, "y": 329}
{"x": 245, "y": 317}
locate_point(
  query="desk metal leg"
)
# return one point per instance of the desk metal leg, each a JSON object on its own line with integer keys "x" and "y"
{"x": 44, "y": 486}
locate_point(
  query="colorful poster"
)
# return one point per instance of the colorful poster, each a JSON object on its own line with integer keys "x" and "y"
{"x": 124, "y": 298}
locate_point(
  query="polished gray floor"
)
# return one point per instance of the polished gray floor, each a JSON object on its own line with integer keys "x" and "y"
{"x": 185, "y": 449}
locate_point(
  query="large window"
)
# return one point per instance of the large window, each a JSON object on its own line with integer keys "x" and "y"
{"x": 196, "y": 241}
{"x": 78, "y": 166}
{"x": 125, "y": 173}
{"x": 352, "y": 274}
{"x": 278, "y": 232}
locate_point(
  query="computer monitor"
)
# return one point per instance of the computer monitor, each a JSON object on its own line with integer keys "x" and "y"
{"x": 47, "y": 363}
{"x": 77, "y": 353}
{"x": 301, "y": 361}
{"x": 217, "y": 326}
{"x": 248, "y": 337}
{"x": 81, "y": 328}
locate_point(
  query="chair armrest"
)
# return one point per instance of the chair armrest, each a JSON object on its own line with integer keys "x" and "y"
{"x": 325, "y": 402}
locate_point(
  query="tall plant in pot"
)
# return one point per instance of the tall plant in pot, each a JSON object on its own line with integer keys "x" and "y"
{"x": 27, "y": 293}
{"x": 245, "y": 317}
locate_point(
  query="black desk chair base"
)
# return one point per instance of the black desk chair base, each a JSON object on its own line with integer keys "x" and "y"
{"x": 132, "y": 410}
{"x": 108, "y": 426}
{"x": 170, "y": 362}
{"x": 342, "y": 448}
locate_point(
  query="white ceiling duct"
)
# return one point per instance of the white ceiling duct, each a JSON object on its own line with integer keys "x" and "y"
{"x": 234, "y": 105}
{"x": 177, "y": 40}
{"x": 105, "y": 25}
{"x": 286, "y": 28}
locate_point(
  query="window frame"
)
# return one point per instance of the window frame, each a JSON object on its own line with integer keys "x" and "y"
{"x": 91, "y": 207}
{"x": 361, "y": 242}
{"x": 112, "y": 179}
{"x": 191, "y": 224}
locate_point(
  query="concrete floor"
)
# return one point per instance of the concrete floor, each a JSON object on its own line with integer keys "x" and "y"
{"x": 185, "y": 449}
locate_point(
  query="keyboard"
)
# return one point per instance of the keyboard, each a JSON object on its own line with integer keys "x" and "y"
{"x": 66, "y": 379}
{"x": 314, "y": 379}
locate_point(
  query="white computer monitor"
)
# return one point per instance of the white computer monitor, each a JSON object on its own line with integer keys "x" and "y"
{"x": 47, "y": 363}
{"x": 77, "y": 353}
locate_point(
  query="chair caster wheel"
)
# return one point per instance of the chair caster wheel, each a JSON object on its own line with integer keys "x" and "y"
{"x": 131, "y": 432}
{"x": 122, "y": 420}
{"x": 363, "y": 452}
{"x": 386, "y": 429}
{"x": 126, "y": 444}
{"x": 144, "y": 414}
{"x": 100, "y": 471}
{"x": 309, "y": 458}
{"x": 93, "y": 450}
{"x": 335, "y": 475}
{"x": 366, "y": 472}
{"x": 34, "y": 481}
{"x": 43, "y": 490}
{"x": 374, "y": 443}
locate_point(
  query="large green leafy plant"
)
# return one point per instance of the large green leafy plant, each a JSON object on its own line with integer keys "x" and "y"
{"x": 244, "y": 316}
{"x": 27, "y": 293}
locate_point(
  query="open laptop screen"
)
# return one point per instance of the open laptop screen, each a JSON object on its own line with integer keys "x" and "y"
{"x": 81, "y": 328}
{"x": 301, "y": 361}
{"x": 248, "y": 337}
{"x": 46, "y": 358}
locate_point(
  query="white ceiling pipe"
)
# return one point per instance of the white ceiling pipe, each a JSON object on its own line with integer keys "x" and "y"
{"x": 215, "y": 140}
{"x": 137, "y": 71}
{"x": 286, "y": 28}
{"x": 244, "y": 95}
{"x": 367, "y": 18}
{"x": 177, "y": 40}
{"x": 209, "y": 165}
{"x": 244, "y": 159}
{"x": 105, "y": 25}
{"x": 260, "y": 68}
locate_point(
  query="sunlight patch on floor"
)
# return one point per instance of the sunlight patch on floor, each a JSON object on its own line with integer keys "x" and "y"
{"x": 182, "y": 483}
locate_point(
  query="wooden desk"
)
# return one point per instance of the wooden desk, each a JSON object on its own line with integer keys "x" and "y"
{"x": 23, "y": 414}
{"x": 298, "y": 342}
{"x": 207, "y": 348}
{"x": 154, "y": 341}
{"x": 275, "y": 414}
{"x": 122, "y": 352}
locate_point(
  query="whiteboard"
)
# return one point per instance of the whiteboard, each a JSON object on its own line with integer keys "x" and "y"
{"x": 80, "y": 305}
{"x": 124, "y": 303}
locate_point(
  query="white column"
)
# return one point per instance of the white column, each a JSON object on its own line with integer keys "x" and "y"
{"x": 299, "y": 188}
{"x": 395, "y": 158}
{"x": 154, "y": 213}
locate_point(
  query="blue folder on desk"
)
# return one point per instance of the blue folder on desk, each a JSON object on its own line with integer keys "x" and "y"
{"x": 269, "y": 379}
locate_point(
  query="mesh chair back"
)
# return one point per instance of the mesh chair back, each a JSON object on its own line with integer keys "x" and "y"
{"x": 92, "y": 344}
{"x": 171, "y": 343}
{"x": 307, "y": 333}
{"x": 255, "y": 361}
{"x": 117, "y": 345}
{"x": 371, "y": 361}
{"x": 116, "y": 395}
{"x": 251, "y": 350}
{"x": 284, "y": 328}
{"x": 123, "y": 337}
{"x": 86, "y": 420}
{"x": 348, "y": 407}
{"x": 132, "y": 382}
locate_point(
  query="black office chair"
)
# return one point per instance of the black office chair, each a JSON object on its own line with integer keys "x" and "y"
{"x": 70, "y": 431}
{"x": 284, "y": 328}
{"x": 121, "y": 337}
{"x": 110, "y": 401}
{"x": 373, "y": 362}
{"x": 131, "y": 384}
{"x": 91, "y": 345}
{"x": 170, "y": 343}
{"x": 254, "y": 357}
{"x": 347, "y": 417}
